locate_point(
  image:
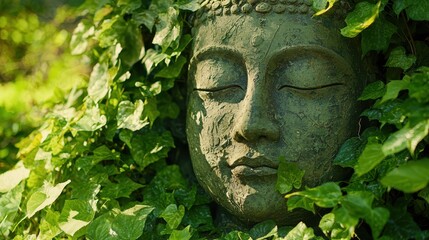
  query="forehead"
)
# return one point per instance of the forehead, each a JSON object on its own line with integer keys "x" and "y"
{"x": 264, "y": 35}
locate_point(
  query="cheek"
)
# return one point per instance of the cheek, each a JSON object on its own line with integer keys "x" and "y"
{"x": 209, "y": 126}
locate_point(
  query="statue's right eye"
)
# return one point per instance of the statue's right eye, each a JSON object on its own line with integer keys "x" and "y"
{"x": 220, "y": 79}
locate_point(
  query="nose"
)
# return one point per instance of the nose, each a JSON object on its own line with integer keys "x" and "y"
{"x": 255, "y": 121}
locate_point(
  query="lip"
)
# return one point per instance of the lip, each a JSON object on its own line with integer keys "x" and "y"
{"x": 257, "y": 166}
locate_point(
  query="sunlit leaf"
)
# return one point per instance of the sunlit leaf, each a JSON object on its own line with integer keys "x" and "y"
{"x": 44, "y": 197}
{"x": 320, "y": 6}
{"x": 129, "y": 115}
{"x": 11, "y": 178}
{"x": 407, "y": 137}
{"x": 371, "y": 156}
{"x": 360, "y": 18}
{"x": 299, "y": 232}
{"x": 184, "y": 234}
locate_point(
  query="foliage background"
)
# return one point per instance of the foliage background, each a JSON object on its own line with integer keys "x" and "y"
{"x": 98, "y": 157}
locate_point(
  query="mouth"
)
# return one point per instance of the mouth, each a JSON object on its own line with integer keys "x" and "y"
{"x": 254, "y": 167}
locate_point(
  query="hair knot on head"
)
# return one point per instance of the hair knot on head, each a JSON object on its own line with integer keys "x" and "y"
{"x": 212, "y": 8}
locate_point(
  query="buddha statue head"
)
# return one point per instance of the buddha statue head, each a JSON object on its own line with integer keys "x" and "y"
{"x": 269, "y": 81}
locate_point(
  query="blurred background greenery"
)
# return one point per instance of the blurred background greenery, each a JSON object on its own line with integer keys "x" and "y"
{"x": 36, "y": 66}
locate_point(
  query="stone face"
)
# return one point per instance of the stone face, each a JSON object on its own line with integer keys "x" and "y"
{"x": 265, "y": 88}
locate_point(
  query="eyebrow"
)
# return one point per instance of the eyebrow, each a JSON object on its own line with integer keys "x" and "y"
{"x": 343, "y": 63}
{"x": 202, "y": 53}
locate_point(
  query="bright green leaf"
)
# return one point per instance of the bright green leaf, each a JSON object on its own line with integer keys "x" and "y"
{"x": 326, "y": 195}
{"x": 300, "y": 232}
{"x": 371, "y": 156}
{"x": 393, "y": 88}
{"x": 289, "y": 176}
{"x": 44, "y": 197}
{"x": 410, "y": 177}
{"x": 49, "y": 225}
{"x": 320, "y": 6}
{"x": 173, "y": 215}
{"x": 360, "y": 18}
{"x": 184, "y": 234}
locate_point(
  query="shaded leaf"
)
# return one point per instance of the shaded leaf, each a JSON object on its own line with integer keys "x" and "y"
{"x": 173, "y": 215}
{"x": 399, "y": 59}
{"x": 371, "y": 156}
{"x": 289, "y": 176}
{"x": 410, "y": 177}
{"x": 184, "y": 234}
{"x": 373, "y": 91}
{"x": 377, "y": 36}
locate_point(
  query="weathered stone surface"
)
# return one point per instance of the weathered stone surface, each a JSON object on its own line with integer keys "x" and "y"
{"x": 265, "y": 87}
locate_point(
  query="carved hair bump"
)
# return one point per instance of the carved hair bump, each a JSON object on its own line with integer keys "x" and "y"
{"x": 212, "y": 8}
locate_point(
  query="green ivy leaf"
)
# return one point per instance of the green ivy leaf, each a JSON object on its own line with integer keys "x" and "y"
{"x": 407, "y": 137}
{"x": 349, "y": 152}
{"x": 174, "y": 70}
{"x": 49, "y": 225}
{"x": 79, "y": 41}
{"x": 327, "y": 195}
{"x": 191, "y": 5}
{"x": 263, "y": 230}
{"x": 236, "y": 235}
{"x": 320, "y": 6}
{"x": 401, "y": 225}
{"x": 168, "y": 29}
{"x": 150, "y": 147}
{"x": 393, "y": 88}
{"x": 399, "y": 59}
{"x": 373, "y": 91}
{"x": 410, "y": 177}
{"x": 377, "y": 219}
{"x": 9, "y": 206}
{"x": 301, "y": 231}
{"x": 98, "y": 85}
{"x": 173, "y": 215}
{"x": 377, "y": 36}
{"x": 184, "y": 234}
{"x": 129, "y": 115}
{"x": 418, "y": 10}
{"x": 44, "y": 197}
{"x": 101, "y": 153}
{"x": 75, "y": 215}
{"x": 289, "y": 176}
{"x": 127, "y": 224}
{"x": 419, "y": 85}
{"x": 360, "y": 18}
{"x": 371, "y": 156}
{"x": 122, "y": 186}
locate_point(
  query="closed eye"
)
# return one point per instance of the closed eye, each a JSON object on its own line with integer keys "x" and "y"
{"x": 216, "y": 89}
{"x": 311, "y": 88}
